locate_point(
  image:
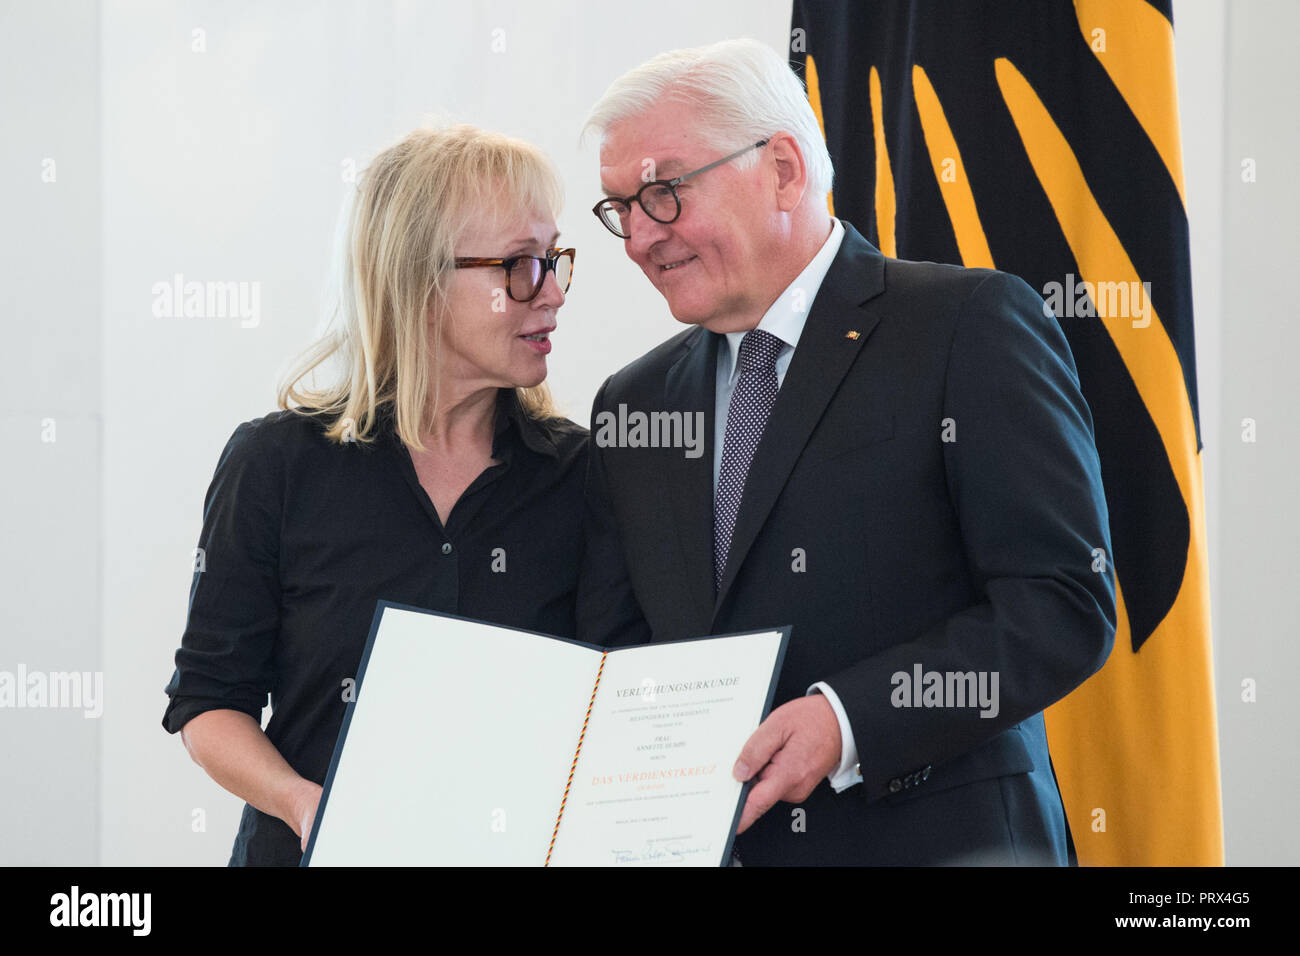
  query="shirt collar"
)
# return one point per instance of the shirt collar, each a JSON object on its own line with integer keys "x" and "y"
{"x": 510, "y": 414}
{"x": 786, "y": 316}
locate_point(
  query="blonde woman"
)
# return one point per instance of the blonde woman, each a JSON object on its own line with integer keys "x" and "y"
{"x": 433, "y": 471}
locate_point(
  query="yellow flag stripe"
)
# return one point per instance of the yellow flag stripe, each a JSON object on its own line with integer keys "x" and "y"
{"x": 884, "y": 175}
{"x": 815, "y": 99}
{"x": 954, "y": 185}
{"x": 1134, "y": 43}
{"x": 1136, "y": 757}
{"x": 1138, "y": 741}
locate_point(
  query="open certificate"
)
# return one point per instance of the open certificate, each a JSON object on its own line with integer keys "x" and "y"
{"x": 473, "y": 744}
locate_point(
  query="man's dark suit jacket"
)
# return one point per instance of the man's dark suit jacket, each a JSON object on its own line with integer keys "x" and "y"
{"x": 927, "y": 491}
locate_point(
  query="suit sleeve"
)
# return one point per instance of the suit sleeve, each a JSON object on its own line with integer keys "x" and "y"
{"x": 1025, "y": 481}
{"x": 608, "y": 611}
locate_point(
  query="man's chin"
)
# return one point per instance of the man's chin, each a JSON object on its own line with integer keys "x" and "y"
{"x": 713, "y": 322}
{"x": 687, "y": 313}
{"x": 716, "y": 317}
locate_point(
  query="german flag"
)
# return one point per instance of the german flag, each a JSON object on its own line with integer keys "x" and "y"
{"x": 1041, "y": 138}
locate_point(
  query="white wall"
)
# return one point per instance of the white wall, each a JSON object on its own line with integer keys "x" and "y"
{"x": 226, "y": 165}
{"x": 50, "y": 504}
{"x": 1259, "y": 519}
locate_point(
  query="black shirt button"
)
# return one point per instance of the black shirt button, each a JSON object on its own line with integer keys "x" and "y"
{"x": 446, "y": 548}
{"x": 895, "y": 785}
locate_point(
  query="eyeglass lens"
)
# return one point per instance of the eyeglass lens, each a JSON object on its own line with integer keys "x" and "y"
{"x": 658, "y": 201}
{"x": 529, "y": 272}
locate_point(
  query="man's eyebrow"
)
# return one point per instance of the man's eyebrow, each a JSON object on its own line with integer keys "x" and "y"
{"x": 666, "y": 169}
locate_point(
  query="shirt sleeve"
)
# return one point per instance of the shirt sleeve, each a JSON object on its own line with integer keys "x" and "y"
{"x": 848, "y": 773}
{"x": 226, "y": 653}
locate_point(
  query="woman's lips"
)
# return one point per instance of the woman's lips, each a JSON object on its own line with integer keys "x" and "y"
{"x": 540, "y": 341}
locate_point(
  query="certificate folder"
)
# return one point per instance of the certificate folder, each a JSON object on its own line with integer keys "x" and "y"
{"x": 469, "y": 743}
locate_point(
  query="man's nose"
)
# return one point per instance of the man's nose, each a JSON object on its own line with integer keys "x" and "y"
{"x": 643, "y": 231}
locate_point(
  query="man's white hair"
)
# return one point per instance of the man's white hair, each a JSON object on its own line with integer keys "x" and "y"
{"x": 743, "y": 92}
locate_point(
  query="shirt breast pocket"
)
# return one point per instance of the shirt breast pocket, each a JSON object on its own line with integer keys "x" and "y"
{"x": 846, "y": 434}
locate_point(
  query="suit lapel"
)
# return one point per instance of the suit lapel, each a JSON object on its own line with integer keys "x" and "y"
{"x": 827, "y": 348}
{"x": 690, "y": 388}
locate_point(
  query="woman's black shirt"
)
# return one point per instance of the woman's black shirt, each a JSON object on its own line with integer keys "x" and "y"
{"x": 301, "y": 537}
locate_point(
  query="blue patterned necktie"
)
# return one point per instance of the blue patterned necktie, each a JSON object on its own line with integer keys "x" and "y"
{"x": 751, "y": 403}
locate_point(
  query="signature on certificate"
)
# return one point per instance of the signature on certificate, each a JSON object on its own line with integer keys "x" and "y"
{"x": 661, "y": 851}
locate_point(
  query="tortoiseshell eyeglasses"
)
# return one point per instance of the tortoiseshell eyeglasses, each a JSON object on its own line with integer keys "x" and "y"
{"x": 525, "y": 274}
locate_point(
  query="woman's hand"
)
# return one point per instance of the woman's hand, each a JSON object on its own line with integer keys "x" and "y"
{"x": 304, "y": 810}
{"x": 232, "y": 748}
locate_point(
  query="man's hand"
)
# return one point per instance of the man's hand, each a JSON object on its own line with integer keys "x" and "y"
{"x": 790, "y": 753}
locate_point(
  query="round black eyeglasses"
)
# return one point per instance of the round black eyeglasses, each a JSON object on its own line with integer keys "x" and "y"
{"x": 658, "y": 198}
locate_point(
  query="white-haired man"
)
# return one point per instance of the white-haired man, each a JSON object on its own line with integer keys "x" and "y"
{"x": 899, "y": 463}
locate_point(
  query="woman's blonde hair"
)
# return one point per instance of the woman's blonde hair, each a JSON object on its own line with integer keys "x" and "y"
{"x": 393, "y": 263}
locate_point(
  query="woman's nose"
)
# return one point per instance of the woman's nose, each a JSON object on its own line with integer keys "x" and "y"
{"x": 550, "y": 292}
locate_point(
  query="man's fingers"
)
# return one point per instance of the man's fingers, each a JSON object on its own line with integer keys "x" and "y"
{"x": 761, "y": 745}
{"x": 762, "y": 797}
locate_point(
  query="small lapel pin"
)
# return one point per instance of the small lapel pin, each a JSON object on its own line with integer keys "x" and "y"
{"x": 853, "y": 334}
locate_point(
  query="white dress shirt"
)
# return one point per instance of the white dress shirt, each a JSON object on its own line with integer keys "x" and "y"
{"x": 785, "y": 319}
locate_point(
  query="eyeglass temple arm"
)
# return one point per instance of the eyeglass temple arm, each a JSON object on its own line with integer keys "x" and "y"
{"x": 719, "y": 162}
{"x": 465, "y": 261}
{"x": 627, "y": 200}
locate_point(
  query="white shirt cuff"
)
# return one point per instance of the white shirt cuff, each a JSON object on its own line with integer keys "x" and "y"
{"x": 848, "y": 772}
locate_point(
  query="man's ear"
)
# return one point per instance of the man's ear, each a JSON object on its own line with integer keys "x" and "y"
{"x": 791, "y": 171}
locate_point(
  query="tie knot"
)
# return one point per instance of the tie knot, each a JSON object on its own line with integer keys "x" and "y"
{"x": 759, "y": 349}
